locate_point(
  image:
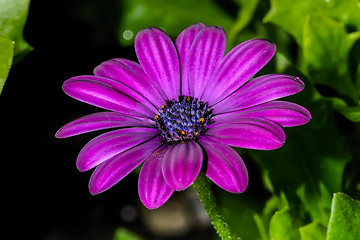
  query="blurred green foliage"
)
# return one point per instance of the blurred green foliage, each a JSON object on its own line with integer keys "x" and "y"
{"x": 313, "y": 231}
{"x": 283, "y": 226}
{"x": 171, "y": 15}
{"x": 6, "y": 58}
{"x": 125, "y": 234}
{"x": 13, "y": 15}
{"x": 326, "y": 53}
{"x": 292, "y": 15}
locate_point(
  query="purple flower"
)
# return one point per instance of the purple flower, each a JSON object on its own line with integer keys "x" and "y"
{"x": 179, "y": 109}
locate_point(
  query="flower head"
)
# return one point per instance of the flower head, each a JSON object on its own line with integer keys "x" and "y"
{"x": 179, "y": 109}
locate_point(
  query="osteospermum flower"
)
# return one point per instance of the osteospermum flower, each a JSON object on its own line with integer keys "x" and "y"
{"x": 179, "y": 110}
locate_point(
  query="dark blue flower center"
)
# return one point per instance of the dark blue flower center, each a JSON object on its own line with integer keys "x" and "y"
{"x": 184, "y": 119}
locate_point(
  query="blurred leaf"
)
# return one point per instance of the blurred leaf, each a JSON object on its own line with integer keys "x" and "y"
{"x": 13, "y": 15}
{"x": 291, "y": 15}
{"x": 244, "y": 16}
{"x": 326, "y": 46}
{"x": 358, "y": 74}
{"x": 284, "y": 226}
{"x": 6, "y": 58}
{"x": 313, "y": 231}
{"x": 273, "y": 204}
{"x": 171, "y": 15}
{"x": 125, "y": 234}
{"x": 261, "y": 227}
{"x": 345, "y": 218}
{"x": 326, "y": 43}
{"x": 282, "y": 63}
{"x": 313, "y": 155}
{"x": 310, "y": 165}
{"x": 351, "y": 113}
{"x": 239, "y": 212}
{"x": 317, "y": 206}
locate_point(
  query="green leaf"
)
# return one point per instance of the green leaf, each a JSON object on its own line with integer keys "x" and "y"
{"x": 357, "y": 77}
{"x": 244, "y": 16}
{"x": 284, "y": 226}
{"x": 273, "y": 204}
{"x": 125, "y": 234}
{"x": 313, "y": 231}
{"x": 261, "y": 227}
{"x": 326, "y": 43}
{"x": 171, "y": 15}
{"x": 345, "y": 218}
{"x": 326, "y": 46}
{"x": 6, "y": 58}
{"x": 291, "y": 15}
{"x": 317, "y": 206}
{"x": 312, "y": 158}
{"x": 238, "y": 212}
{"x": 351, "y": 113}
{"x": 13, "y": 15}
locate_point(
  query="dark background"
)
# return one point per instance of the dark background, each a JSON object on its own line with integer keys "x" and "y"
{"x": 46, "y": 197}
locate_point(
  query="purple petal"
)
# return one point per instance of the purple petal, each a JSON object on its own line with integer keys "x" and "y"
{"x": 237, "y": 67}
{"x": 285, "y": 114}
{"x": 158, "y": 57}
{"x": 225, "y": 167}
{"x": 206, "y": 51}
{"x": 132, "y": 75}
{"x": 112, "y": 171}
{"x": 109, "y": 94}
{"x": 181, "y": 164}
{"x": 260, "y": 90}
{"x": 183, "y": 45}
{"x": 253, "y": 133}
{"x": 110, "y": 144}
{"x": 98, "y": 121}
{"x": 153, "y": 190}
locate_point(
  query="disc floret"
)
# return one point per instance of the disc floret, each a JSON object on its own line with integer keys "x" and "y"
{"x": 183, "y": 119}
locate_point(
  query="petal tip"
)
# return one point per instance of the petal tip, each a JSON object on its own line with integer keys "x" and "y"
{"x": 151, "y": 30}
{"x": 81, "y": 166}
{"x": 263, "y": 41}
{"x": 93, "y": 190}
{"x": 242, "y": 185}
{"x": 298, "y": 80}
{"x": 59, "y": 133}
{"x": 182, "y": 186}
{"x": 197, "y": 25}
{"x": 240, "y": 188}
{"x": 151, "y": 205}
{"x": 273, "y": 45}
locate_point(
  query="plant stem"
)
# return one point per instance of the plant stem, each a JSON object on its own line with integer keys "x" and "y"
{"x": 202, "y": 186}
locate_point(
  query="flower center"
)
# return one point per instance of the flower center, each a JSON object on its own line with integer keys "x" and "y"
{"x": 183, "y": 119}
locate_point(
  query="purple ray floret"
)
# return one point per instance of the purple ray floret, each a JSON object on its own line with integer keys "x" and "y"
{"x": 179, "y": 110}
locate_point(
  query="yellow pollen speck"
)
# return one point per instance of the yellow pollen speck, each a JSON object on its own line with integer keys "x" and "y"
{"x": 156, "y": 117}
{"x": 183, "y": 132}
{"x": 202, "y": 120}
{"x": 163, "y": 107}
